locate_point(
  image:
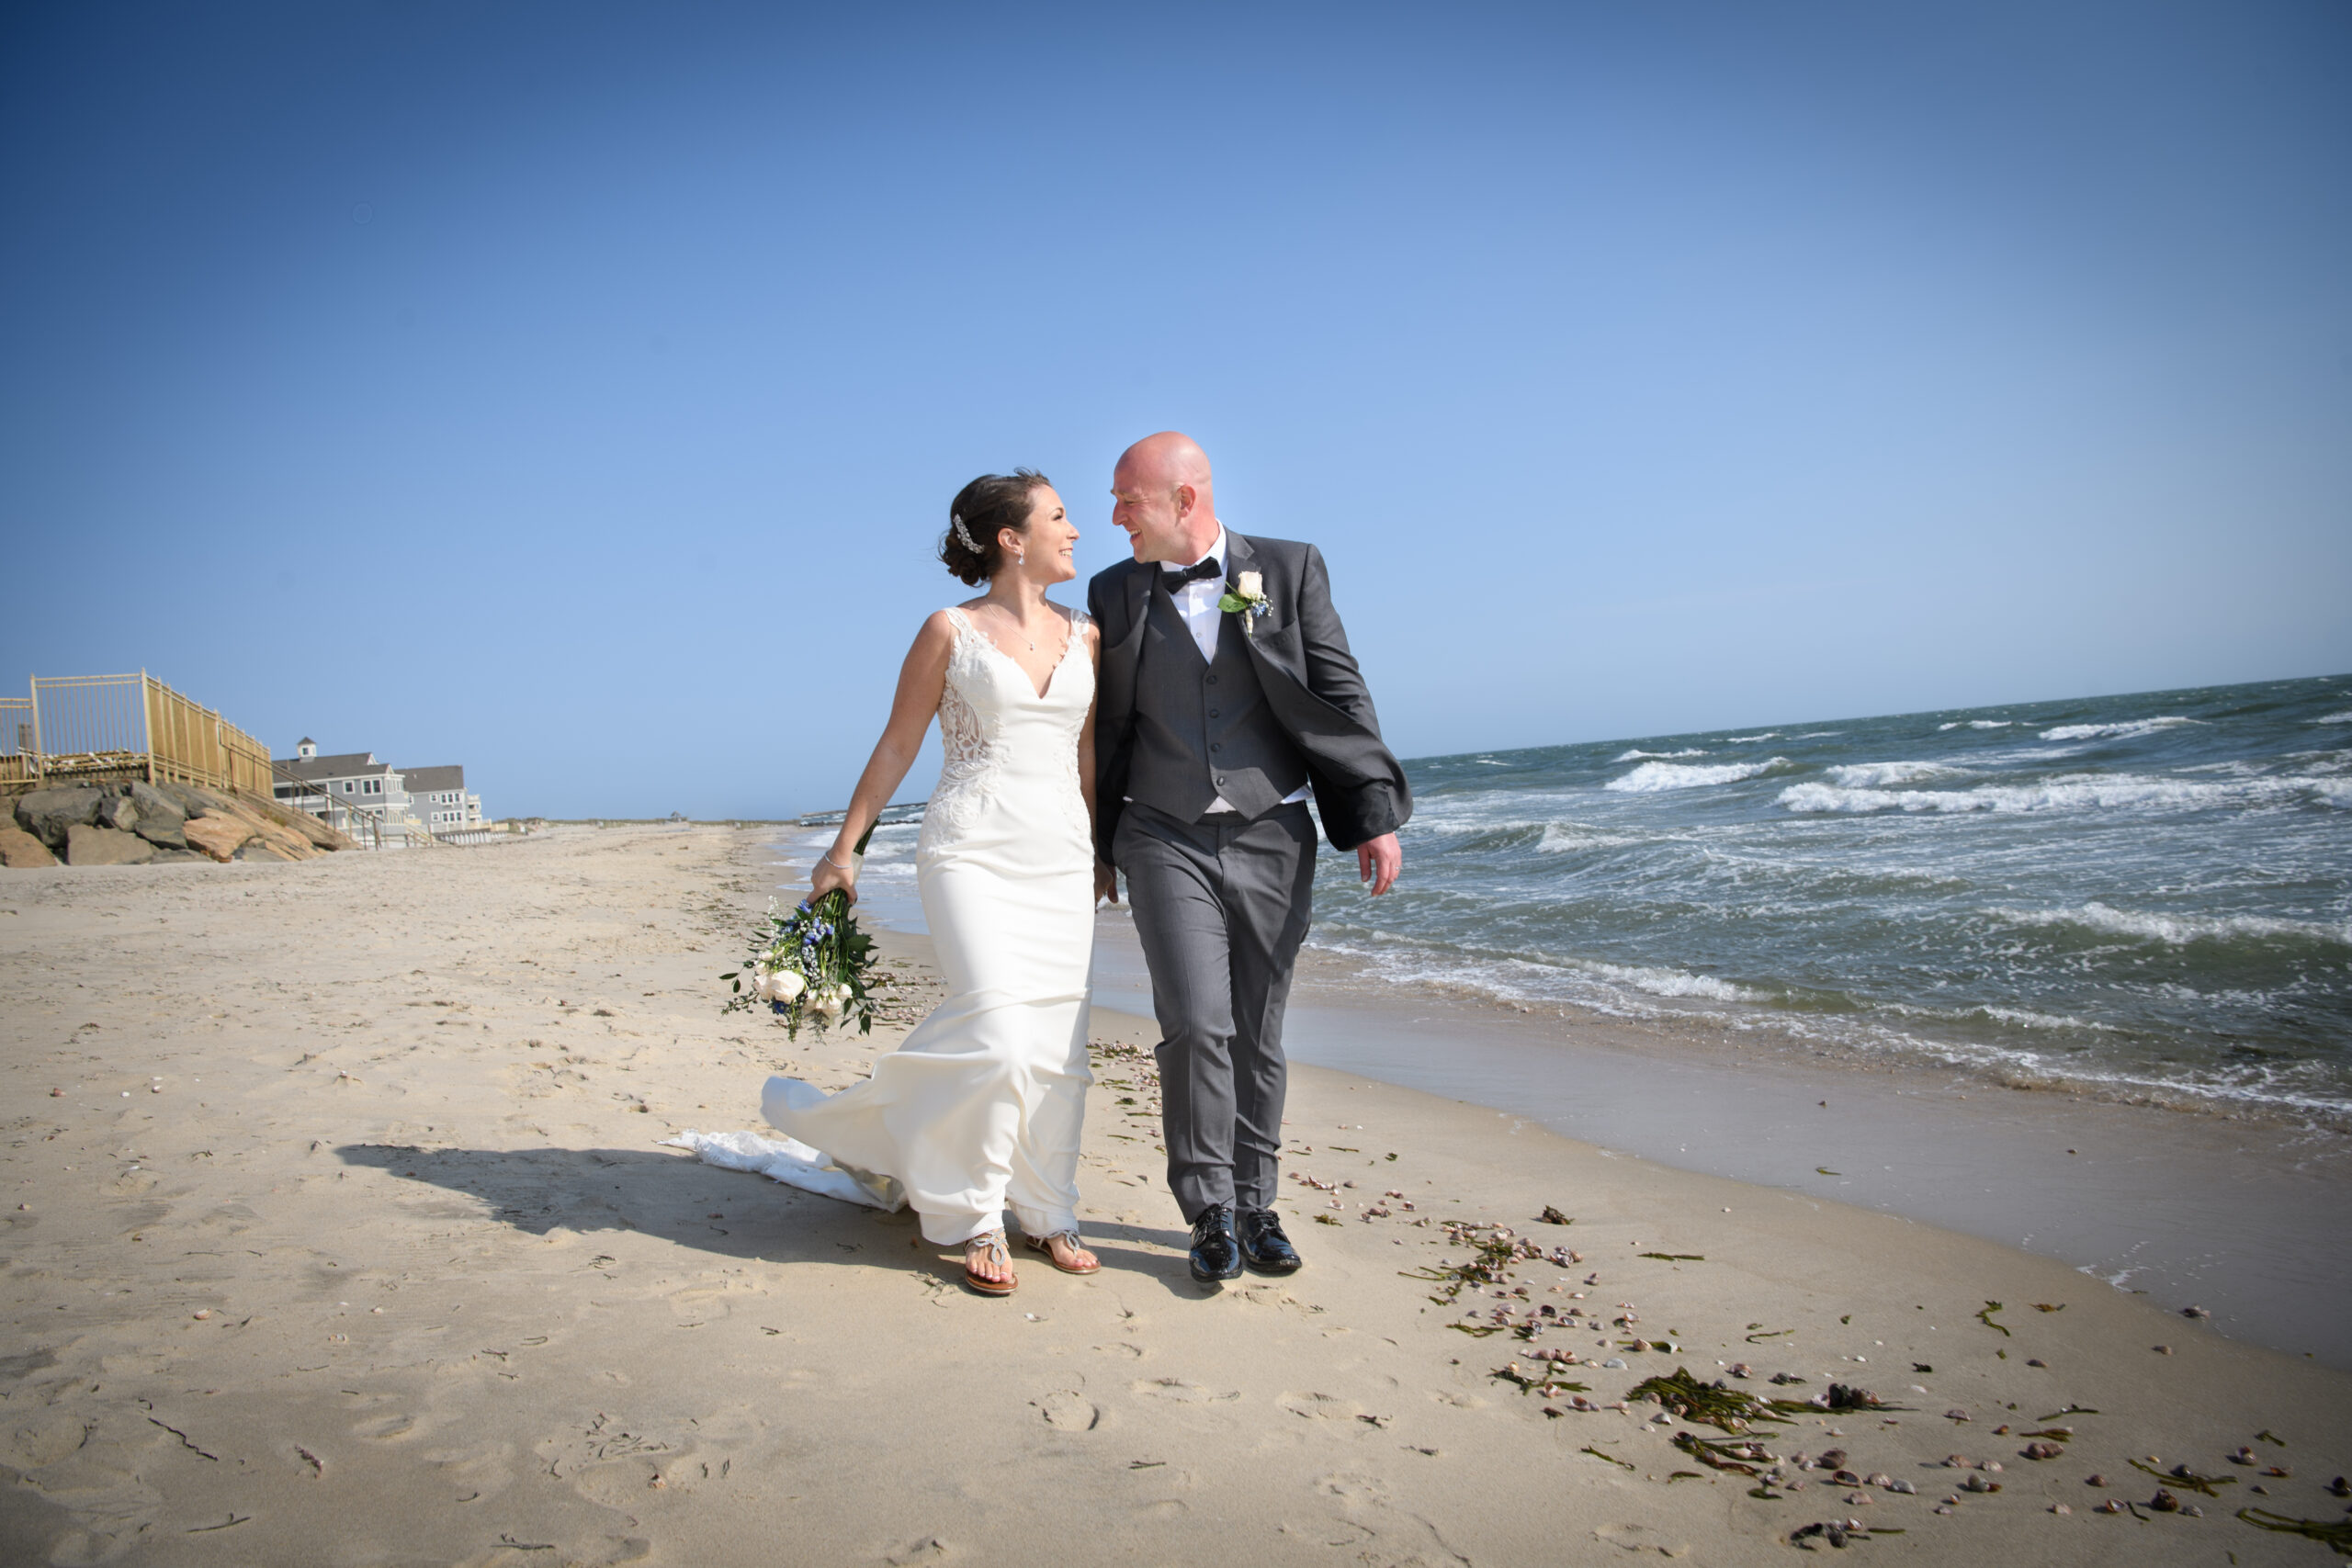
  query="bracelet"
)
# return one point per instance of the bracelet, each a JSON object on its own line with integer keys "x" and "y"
{"x": 827, "y": 858}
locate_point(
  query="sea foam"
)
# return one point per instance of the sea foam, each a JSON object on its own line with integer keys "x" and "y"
{"x": 1878, "y": 775}
{"x": 1651, "y": 777}
{"x": 1979, "y": 724}
{"x": 2178, "y": 930}
{"x": 2072, "y": 792}
{"x": 2114, "y": 731}
{"x": 1637, "y": 754}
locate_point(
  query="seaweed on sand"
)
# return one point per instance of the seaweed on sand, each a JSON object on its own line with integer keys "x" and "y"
{"x": 1613, "y": 1458}
{"x": 1674, "y": 1257}
{"x": 2334, "y": 1534}
{"x": 2182, "y": 1476}
{"x": 1984, "y": 1316}
{"x": 1724, "y": 1453}
{"x": 1727, "y": 1409}
{"x": 1537, "y": 1383}
{"x": 1491, "y": 1260}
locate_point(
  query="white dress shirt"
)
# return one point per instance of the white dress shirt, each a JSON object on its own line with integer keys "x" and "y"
{"x": 1196, "y": 602}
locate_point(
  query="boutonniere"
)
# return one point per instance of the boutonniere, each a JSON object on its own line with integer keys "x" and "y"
{"x": 1246, "y": 597}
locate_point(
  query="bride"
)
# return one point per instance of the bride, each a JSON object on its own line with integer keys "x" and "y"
{"x": 981, "y": 1104}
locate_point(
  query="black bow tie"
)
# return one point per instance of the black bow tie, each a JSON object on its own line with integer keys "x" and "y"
{"x": 1176, "y": 576}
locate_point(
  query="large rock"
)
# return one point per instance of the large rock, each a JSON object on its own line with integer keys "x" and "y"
{"x": 20, "y": 850}
{"x": 249, "y": 811}
{"x": 117, "y": 812}
{"x": 259, "y": 848}
{"x": 317, "y": 832}
{"x": 47, "y": 813}
{"x": 191, "y": 800}
{"x": 219, "y": 836}
{"x": 161, "y": 818}
{"x": 105, "y": 846}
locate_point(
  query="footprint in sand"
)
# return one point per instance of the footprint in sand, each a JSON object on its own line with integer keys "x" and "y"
{"x": 40, "y": 1438}
{"x": 926, "y": 1550}
{"x": 1388, "y": 1535}
{"x": 1068, "y": 1411}
{"x": 1122, "y": 1348}
{"x": 1183, "y": 1392}
{"x": 1640, "y": 1538}
{"x": 1318, "y": 1407}
{"x": 386, "y": 1428}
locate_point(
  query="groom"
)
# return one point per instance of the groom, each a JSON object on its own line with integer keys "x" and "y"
{"x": 1213, "y": 725}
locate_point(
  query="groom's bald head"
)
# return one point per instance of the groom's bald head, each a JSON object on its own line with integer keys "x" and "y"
{"x": 1166, "y": 460}
{"x": 1164, "y": 498}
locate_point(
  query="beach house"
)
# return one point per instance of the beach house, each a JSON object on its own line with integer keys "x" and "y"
{"x": 438, "y": 798}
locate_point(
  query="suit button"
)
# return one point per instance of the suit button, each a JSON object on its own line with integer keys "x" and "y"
{"x": 1214, "y": 747}
{"x": 1212, "y": 680}
{"x": 1220, "y": 780}
{"x": 1212, "y": 713}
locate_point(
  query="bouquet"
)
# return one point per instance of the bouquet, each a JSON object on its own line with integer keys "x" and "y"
{"x": 809, "y": 967}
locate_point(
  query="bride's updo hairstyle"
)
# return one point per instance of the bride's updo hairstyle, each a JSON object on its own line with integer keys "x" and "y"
{"x": 981, "y": 511}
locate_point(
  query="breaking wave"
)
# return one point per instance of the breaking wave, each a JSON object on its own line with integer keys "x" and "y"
{"x": 1637, "y": 754}
{"x": 1979, "y": 724}
{"x": 1652, "y": 777}
{"x": 2114, "y": 731}
{"x": 2073, "y": 792}
{"x": 2178, "y": 930}
{"x": 1878, "y": 775}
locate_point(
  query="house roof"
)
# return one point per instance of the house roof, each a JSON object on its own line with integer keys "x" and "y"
{"x": 306, "y": 740}
{"x": 424, "y": 781}
{"x": 342, "y": 766}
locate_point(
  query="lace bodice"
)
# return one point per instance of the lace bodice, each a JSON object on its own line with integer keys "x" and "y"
{"x": 1011, "y": 766}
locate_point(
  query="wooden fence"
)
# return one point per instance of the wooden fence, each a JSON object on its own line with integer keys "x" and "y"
{"x": 92, "y": 728}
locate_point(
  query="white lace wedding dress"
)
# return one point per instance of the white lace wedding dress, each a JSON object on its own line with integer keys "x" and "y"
{"x": 980, "y": 1106}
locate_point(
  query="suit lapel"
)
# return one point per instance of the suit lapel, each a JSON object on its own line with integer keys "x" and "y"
{"x": 1120, "y": 659}
{"x": 1268, "y": 649}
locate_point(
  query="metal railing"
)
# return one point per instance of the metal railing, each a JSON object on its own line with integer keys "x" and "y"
{"x": 17, "y": 752}
{"x": 113, "y": 727}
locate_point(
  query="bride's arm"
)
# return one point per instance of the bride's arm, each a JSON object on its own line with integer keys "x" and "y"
{"x": 1107, "y": 880}
{"x": 921, "y": 680}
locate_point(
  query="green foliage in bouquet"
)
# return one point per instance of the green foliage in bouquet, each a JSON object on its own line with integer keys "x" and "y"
{"x": 809, "y": 967}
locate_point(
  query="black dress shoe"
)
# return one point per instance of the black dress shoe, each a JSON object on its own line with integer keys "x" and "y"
{"x": 1263, "y": 1246}
{"x": 1215, "y": 1254}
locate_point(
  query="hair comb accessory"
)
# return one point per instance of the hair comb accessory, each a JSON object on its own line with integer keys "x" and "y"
{"x": 956, "y": 522}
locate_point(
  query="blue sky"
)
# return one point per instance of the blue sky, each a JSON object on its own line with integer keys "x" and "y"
{"x": 576, "y": 391}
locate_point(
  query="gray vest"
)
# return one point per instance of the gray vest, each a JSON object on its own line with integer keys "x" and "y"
{"x": 1203, "y": 729}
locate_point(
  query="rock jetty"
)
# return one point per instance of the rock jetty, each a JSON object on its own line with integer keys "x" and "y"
{"x": 139, "y": 824}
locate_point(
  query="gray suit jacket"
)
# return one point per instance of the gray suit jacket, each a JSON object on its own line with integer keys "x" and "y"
{"x": 1311, "y": 682}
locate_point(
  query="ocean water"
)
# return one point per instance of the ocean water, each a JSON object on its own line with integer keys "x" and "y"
{"x": 2148, "y": 896}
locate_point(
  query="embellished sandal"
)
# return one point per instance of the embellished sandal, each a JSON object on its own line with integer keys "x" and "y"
{"x": 988, "y": 1245}
{"x": 1045, "y": 1244}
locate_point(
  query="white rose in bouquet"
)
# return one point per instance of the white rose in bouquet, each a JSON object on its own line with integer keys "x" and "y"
{"x": 783, "y": 985}
{"x": 760, "y": 984}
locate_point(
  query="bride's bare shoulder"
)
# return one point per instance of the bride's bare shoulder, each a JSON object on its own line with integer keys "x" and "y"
{"x": 937, "y": 634}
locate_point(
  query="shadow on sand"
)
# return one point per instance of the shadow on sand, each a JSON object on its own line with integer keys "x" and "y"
{"x": 726, "y": 1214}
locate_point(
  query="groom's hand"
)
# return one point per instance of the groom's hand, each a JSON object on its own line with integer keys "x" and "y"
{"x": 1106, "y": 883}
{"x": 1379, "y": 861}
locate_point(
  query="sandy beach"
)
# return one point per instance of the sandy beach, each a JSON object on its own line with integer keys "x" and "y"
{"x": 341, "y": 1230}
